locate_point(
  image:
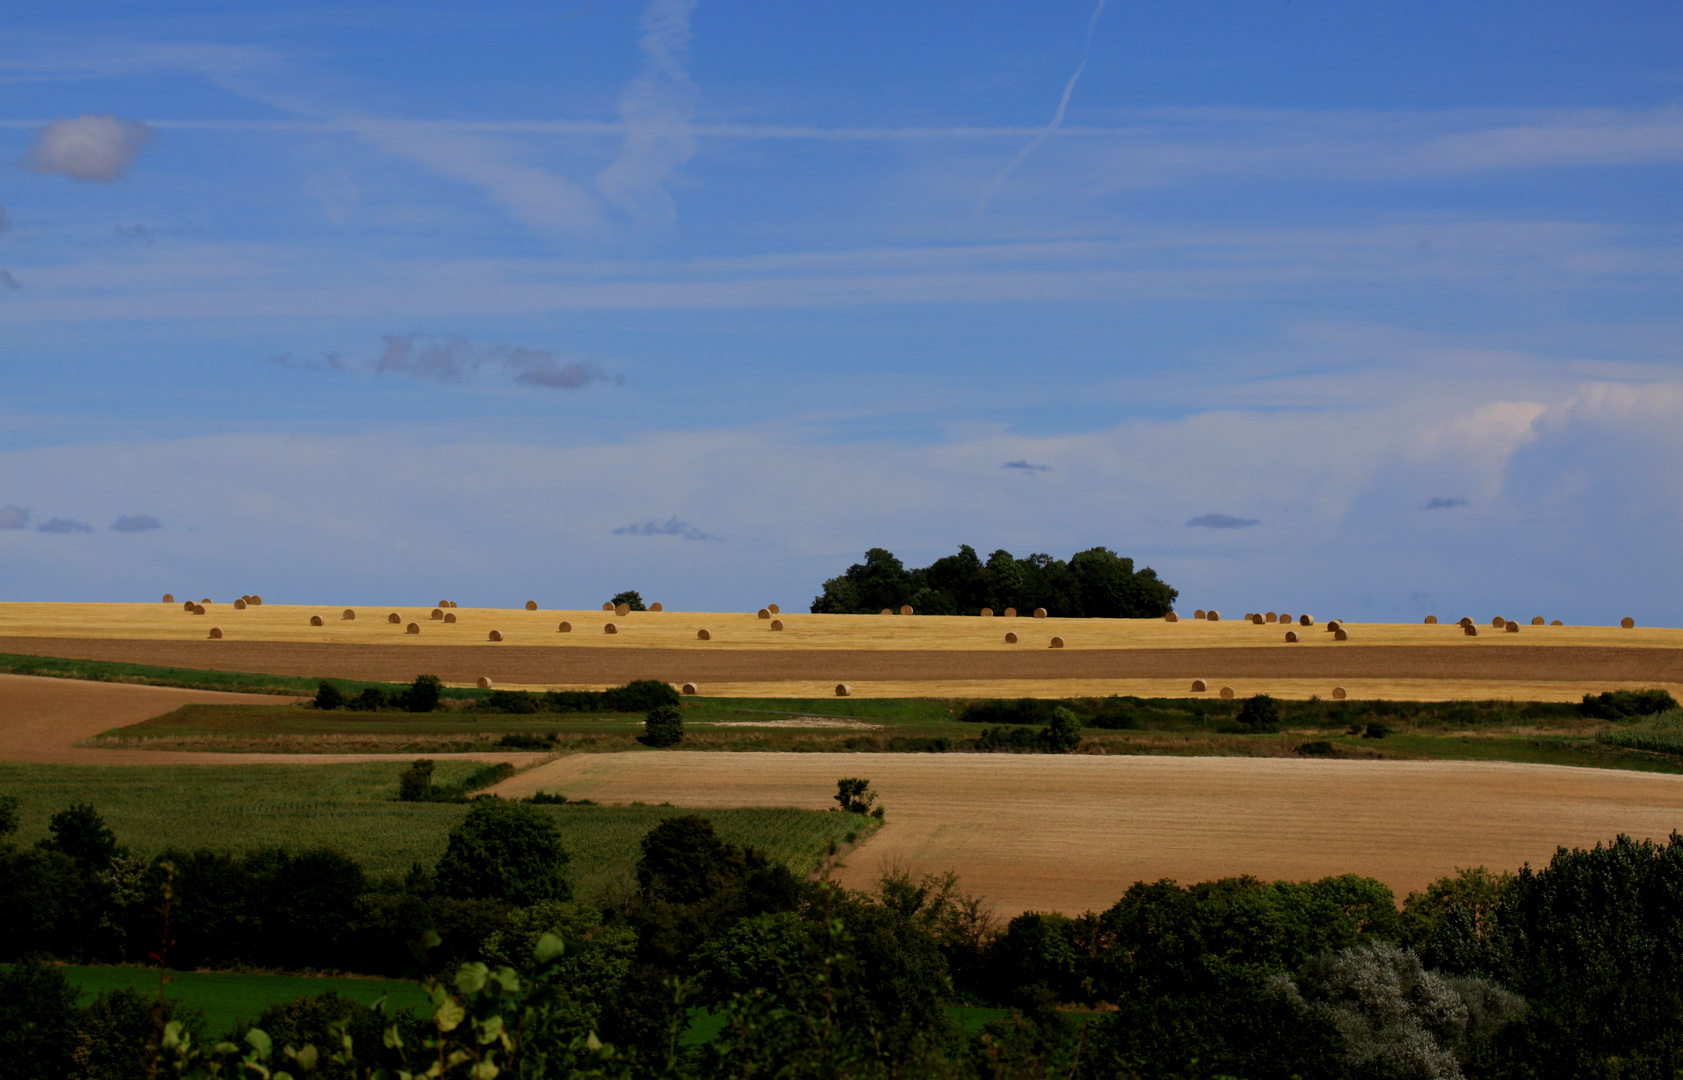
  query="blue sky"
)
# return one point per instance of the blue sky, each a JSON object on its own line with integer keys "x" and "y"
{"x": 1368, "y": 310}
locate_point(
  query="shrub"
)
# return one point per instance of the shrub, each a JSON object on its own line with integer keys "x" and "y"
{"x": 1008, "y": 738}
{"x": 1319, "y": 748}
{"x": 1260, "y": 715}
{"x": 631, "y": 598}
{"x": 423, "y": 694}
{"x": 640, "y": 695}
{"x": 684, "y": 861}
{"x": 329, "y": 696}
{"x": 1375, "y": 731}
{"x": 505, "y": 851}
{"x": 664, "y": 726}
{"x": 528, "y": 740}
{"x": 414, "y": 784}
{"x": 372, "y": 699}
{"x": 8, "y": 815}
{"x": 513, "y": 702}
{"x": 998, "y": 711}
{"x": 572, "y": 701}
{"x": 854, "y": 796}
{"x": 1062, "y": 734}
{"x": 1621, "y": 704}
{"x": 82, "y": 834}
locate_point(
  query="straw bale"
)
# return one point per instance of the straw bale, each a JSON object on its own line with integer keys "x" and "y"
{"x": 704, "y": 634}
{"x": 656, "y": 606}
{"x": 986, "y": 613}
{"x": 449, "y": 616}
{"x": 394, "y": 617}
{"x": 1339, "y": 693}
{"x": 610, "y": 628}
{"x": 1199, "y": 686}
{"x": 1284, "y": 617}
{"x": 347, "y": 615}
{"x": 1465, "y": 621}
{"x": 1212, "y": 615}
{"x": 216, "y": 631}
{"x": 1256, "y": 620}
{"x": 206, "y": 600}
{"x": 1628, "y": 623}
{"x": 412, "y": 628}
{"x": 1010, "y": 638}
{"x": 885, "y": 611}
{"x": 1538, "y": 620}
{"x": 774, "y": 609}
{"x": 198, "y": 609}
{"x": 239, "y": 605}
{"x": 495, "y": 635}
{"x": 1199, "y": 614}
{"x": 1271, "y": 617}
{"x": 256, "y": 601}
{"x": 1341, "y": 635}
{"x": 1498, "y": 622}
{"x": 1333, "y": 625}
{"x": 484, "y": 682}
{"x": 905, "y": 609}
{"x": 437, "y": 615}
{"x": 1557, "y": 622}
{"x": 565, "y": 628}
{"x": 765, "y": 613}
{"x": 1291, "y": 635}
{"x": 531, "y": 605}
{"x": 169, "y": 598}
{"x": 689, "y": 689}
{"x": 444, "y": 603}
{"x": 1470, "y": 630}
{"x": 1040, "y": 613}
{"x": 1305, "y": 620}
{"x": 622, "y": 609}
{"x": 1431, "y": 620}
{"x": 315, "y": 620}
{"x": 609, "y": 606}
{"x": 1227, "y": 693}
{"x": 187, "y": 605}
{"x": 843, "y": 690}
{"x": 1057, "y": 643}
{"x": 777, "y": 624}
{"x": 1511, "y": 627}
{"x": 1010, "y": 613}
{"x": 1171, "y": 617}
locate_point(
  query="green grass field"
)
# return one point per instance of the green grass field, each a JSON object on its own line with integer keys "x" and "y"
{"x": 353, "y": 807}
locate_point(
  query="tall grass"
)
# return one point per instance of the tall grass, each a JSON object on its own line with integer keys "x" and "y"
{"x": 1662, "y": 734}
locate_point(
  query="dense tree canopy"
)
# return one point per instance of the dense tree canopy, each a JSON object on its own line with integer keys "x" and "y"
{"x": 1096, "y": 583}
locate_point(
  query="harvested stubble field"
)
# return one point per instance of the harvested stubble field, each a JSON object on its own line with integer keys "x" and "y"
{"x": 876, "y": 655}
{"x": 1073, "y": 833}
{"x": 353, "y": 807}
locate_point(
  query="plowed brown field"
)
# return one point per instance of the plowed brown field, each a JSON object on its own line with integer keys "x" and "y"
{"x": 1072, "y": 833}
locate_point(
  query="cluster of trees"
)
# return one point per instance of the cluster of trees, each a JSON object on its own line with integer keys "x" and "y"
{"x": 639, "y": 695}
{"x": 1094, "y": 584}
{"x": 421, "y": 696}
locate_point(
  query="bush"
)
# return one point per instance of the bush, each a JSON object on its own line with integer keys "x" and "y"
{"x": 631, "y": 598}
{"x": 1375, "y": 731}
{"x": 82, "y": 834}
{"x": 664, "y": 726}
{"x": 528, "y": 740}
{"x": 505, "y": 851}
{"x": 329, "y": 696}
{"x": 414, "y": 784}
{"x": 1260, "y": 715}
{"x": 423, "y": 694}
{"x": 1008, "y": 738}
{"x": 512, "y": 702}
{"x": 372, "y": 699}
{"x": 1062, "y": 734}
{"x": 998, "y": 711}
{"x": 1319, "y": 748}
{"x": 8, "y": 815}
{"x": 854, "y": 796}
{"x": 1622, "y": 704}
{"x": 640, "y": 695}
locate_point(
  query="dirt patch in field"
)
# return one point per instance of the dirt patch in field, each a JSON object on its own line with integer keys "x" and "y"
{"x": 1072, "y": 833}
{"x": 41, "y": 720}
{"x": 1586, "y": 666}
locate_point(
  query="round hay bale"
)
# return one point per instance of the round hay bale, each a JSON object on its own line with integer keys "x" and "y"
{"x": 1256, "y": 620}
{"x": 885, "y": 611}
{"x": 394, "y": 617}
{"x": 1040, "y": 613}
{"x": 1470, "y": 630}
{"x": 1199, "y": 686}
{"x": 774, "y": 609}
{"x": 656, "y": 607}
{"x": 1227, "y": 693}
{"x": 1291, "y": 635}
{"x": 1057, "y": 643}
{"x": 437, "y": 615}
{"x": 449, "y": 617}
{"x": 1010, "y": 613}
{"x": 256, "y": 601}
{"x": 689, "y": 689}
{"x": 1538, "y": 620}
{"x": 610, "y": 628}
{"x": 1341, "y": 635}
{"x": 1212, "y": 616}
{"x": 531, "y": 605}
{"x": 495, "y": 635}
{"x": 347, "y": 615}
{"x": 1284, "y": 617}
{"x": 564, "y": 628}
{"x": 1557, "y": 622}
{"x": 703, "y": 634}
{"x": 1431, "y": 620}
{"x": 198, "y": 609}
{"x": 765, "y": 613}
{"x": 412, "y": 628}
{"x": 609, "y": 606}
{"x": 169, "y": 598}
{"x": 1305, "y": 620}
{"x": 443, "y": 603}
{"x": 843, "y": 690}
{"x": 1498, "y": 622}
{"x": 1199, "y": 614}
{"x": 905, "y": 609}
{"x": 315, "y": 620}
{"x": 1511, "y": 627}
{"x": 1332, "y": 626}
{"x": 986, "y": 613}
{"x": 216, "y": 631}
{"x": 1010, "y": 638}
{"x": 1339, "y": 693}
{"x": 1628, "y": 623}
{"x": 777, "y": 624}
{"x": 484, "y": 682}
{"x": 1171, "y": 617}
{"x": 187, "y": 606}
{"x": 239, "y": 605}
{"x": 454, "y": 604}
{"x": 1271, "y": 617}
{"x": 622, "y": 609}
{"x": 1465, "y": 621}
{"x": 206, "y": 600}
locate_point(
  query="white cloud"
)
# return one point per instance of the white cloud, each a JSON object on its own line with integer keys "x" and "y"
{"x": 93, "y": 149}
{"x": 656, "y": 110}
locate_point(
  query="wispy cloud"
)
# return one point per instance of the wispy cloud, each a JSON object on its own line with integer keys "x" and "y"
{"x": 63, "y": 525}
{"x": 8, "y": 281}
{"x": 1445, "y": 504}
{"x": 13, "y": 517}
{"x": 1025, "y": 466}
{"x": 1222, "y": 521}
{"x": 132, "y": 523}
{"x": 656, "y": 109}
{"x": 670, "y": 527}
{"x": 92, "y": 149}
{"x": 456, "y": 359}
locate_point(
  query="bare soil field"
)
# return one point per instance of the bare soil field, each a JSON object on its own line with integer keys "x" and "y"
{"x": 1053, "y": 833}
{"x": 42, "y": 719}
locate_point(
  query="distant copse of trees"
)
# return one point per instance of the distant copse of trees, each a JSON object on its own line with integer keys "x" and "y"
{"x": 1094, "y": 584}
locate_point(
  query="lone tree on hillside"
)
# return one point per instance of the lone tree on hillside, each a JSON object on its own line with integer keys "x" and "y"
{"x": 854, "y": 796}
{"x": 664, "y": 726}
{"x": 82, "y": 834}
{"x": 631, "y": 598}
{"x": 1260, "y": 715}
{"x": 329, "y": 696}
{"x": 505, "y": 851}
